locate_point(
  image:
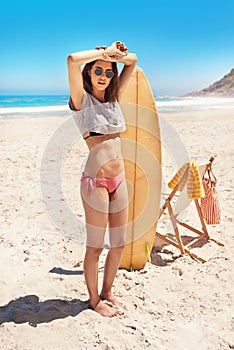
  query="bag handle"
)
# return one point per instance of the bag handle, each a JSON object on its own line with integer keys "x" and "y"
{"x": 209, "y": 170}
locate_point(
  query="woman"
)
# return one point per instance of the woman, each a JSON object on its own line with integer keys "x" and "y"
{"x": 94, "y": 94}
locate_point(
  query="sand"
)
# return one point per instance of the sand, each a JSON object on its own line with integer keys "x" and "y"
{"x": 173, "y": 303}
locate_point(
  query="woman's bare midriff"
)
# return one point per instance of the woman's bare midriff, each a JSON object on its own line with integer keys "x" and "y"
{"x": 105, "y": 156}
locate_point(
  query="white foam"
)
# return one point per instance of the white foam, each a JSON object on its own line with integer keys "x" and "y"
{"x": 27, "y": 110}
{"x": 200, "y": 102}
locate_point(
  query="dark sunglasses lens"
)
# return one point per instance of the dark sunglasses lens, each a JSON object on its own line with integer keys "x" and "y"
{"x": 109, "y": 74}
{"x": 98, "y": 71}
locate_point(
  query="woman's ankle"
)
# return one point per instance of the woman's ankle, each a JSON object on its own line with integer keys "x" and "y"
{"x": 93, "y": 302}
{"x": 105, "y": 294}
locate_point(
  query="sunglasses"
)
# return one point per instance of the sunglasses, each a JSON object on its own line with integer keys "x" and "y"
{"x": 108, "y": 73}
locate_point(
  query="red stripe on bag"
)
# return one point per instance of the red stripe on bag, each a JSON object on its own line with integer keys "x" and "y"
{"x": 210, "y": 205}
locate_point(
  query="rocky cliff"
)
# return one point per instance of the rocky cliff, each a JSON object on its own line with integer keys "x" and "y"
{"x": 223, "y": 87}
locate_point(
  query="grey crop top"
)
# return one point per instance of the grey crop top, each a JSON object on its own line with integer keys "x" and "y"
{"x": 104, "y": 118}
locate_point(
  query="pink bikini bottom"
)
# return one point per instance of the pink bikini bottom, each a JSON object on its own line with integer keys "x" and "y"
{"x": 109, "y": 183}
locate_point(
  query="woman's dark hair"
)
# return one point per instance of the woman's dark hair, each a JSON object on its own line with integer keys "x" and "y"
{"x": 111, "y": 93}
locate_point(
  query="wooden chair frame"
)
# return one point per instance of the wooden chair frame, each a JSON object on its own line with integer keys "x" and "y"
{"x": 202, "y": 233}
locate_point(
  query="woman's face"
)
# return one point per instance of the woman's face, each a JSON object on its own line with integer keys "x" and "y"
{"x": 100, "y": 74}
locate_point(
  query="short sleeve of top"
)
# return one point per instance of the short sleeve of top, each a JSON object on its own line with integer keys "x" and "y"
{"x": 104, "y": 118}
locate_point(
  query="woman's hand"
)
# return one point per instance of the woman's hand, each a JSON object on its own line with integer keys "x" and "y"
{"x": 121, "y": 46}
{"x": 116, "y": 49}
{"x": 114, "y": 52}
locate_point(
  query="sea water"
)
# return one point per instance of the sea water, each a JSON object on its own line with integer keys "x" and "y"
{"x": 12, "y": 106}
{"x": 32, "y": 100}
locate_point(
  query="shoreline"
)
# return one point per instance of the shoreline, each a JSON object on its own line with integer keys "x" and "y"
{"x": 211, "y": 114}
{"x": 195, "y": 115}
{"x": 165, "y": 106}
{"x": 199, "y": 115}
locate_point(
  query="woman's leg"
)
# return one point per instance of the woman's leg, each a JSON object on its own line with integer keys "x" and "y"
{"x": 96, "y": 221}
{"x": 118, "y": 218}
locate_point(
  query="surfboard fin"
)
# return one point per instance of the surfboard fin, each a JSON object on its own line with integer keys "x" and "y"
{"x": 148, "y": 252}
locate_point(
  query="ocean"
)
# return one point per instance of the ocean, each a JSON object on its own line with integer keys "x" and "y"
{"x": 12, "y": 106}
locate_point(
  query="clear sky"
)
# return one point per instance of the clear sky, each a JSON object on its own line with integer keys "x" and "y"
{"x": 181, "y": 45}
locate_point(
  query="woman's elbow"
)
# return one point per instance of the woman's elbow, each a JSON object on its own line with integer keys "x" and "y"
{"x": 70, "y": 59}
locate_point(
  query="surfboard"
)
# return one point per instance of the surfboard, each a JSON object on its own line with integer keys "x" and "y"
{"x": 141, "y": 147}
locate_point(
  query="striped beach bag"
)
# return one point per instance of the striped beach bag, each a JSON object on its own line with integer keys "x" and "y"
{"x": 210, "y": 205}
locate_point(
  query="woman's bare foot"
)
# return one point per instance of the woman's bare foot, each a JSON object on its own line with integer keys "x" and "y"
{"x": 105, "y": 309}
{"x": 110, "y": 298}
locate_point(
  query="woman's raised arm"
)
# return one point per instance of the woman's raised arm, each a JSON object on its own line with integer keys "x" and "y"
{"x": 74, "y": 62}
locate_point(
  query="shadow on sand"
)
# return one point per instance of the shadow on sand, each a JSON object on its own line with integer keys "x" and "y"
{"x": 61, "y": 271}
{"x": 30, "y": 309}
{"x": 160, "y": 248}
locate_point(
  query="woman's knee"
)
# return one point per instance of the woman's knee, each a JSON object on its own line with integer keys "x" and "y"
{"x": 93, "y": 252}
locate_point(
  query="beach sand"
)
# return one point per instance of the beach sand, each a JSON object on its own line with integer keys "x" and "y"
{"x": 175, "y": 303}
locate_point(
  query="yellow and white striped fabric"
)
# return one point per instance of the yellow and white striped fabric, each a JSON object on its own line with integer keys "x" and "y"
{"x": 195, "y": 189}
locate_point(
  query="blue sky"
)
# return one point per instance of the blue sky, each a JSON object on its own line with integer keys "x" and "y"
{"x": 181, "y": 45}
